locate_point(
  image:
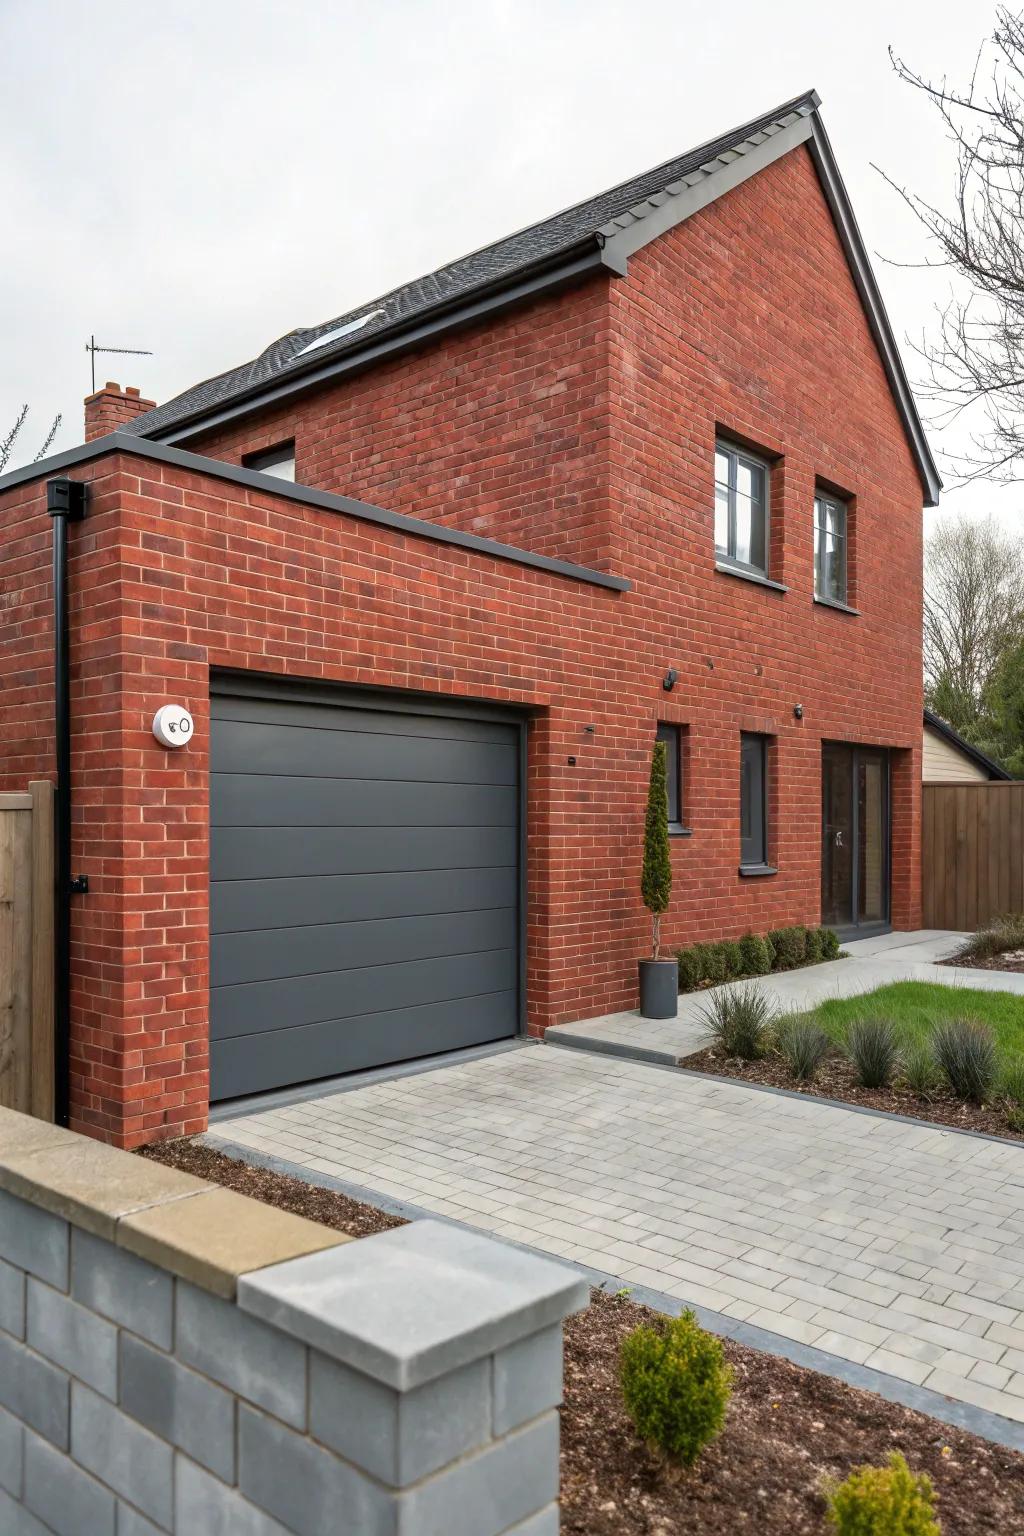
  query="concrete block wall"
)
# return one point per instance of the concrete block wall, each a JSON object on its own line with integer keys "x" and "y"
{"x": 403, "y": 1385}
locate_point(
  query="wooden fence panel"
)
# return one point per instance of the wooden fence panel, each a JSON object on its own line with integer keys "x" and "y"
{"x": 26, "y": 950}
{"x": 972, "y": 853}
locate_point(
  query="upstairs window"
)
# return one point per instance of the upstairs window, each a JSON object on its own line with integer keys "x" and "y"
{"x": 830, "y": 537}
{"x": 279, "y": 461}
{"x": 741, "y": 509}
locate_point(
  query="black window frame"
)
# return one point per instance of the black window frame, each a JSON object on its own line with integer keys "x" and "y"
{"x": 735, "y": 456}
{"x": 263, "y": 460}
{"x": 754, "y": 844}
{"x": 841, "y": 504}
{"x": 673, "y": 736}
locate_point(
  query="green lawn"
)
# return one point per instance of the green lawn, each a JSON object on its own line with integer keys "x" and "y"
{"x": 916, "y": 1006}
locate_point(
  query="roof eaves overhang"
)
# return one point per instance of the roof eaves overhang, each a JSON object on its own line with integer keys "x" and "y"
{"x": 572, "y": 266}
{"x": 945, "y": 730}
{"x": 304, "y": 495}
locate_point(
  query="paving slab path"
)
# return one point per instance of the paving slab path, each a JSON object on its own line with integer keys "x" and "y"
{"x": 869, "y": 963}
{"x": 896, "y": 1246}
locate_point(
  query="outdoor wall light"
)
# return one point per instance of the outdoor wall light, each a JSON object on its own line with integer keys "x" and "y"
{"x": 798, "y": 711}
{"x": 670, "y": 679}
{"x": 172, "y": 726}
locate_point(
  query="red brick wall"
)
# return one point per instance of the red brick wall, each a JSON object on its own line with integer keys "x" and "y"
{"x": 582, "y": 426}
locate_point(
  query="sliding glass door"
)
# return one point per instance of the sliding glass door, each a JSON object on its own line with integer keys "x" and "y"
{"x": 854, "y": 837}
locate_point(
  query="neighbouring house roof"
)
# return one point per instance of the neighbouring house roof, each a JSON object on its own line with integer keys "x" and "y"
{"x": 601, "y": 232}
{"x": 946, "y": 731}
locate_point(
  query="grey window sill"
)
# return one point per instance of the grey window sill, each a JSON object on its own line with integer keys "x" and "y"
{"x": 675, "y": 830}
{"x": 757, "y": 871}
{"x": 759, "y": 581}
{"x": 830, "y": 602}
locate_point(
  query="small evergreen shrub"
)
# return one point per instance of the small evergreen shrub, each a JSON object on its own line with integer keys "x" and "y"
{"x": 757, "y": 957}
{"x": 829, "y": 944}
{"x": 814, "y": 948}
{"x": 884, "y": 1501}
{"x": 732, "y": 956}
{"x": 803, "y": 1045}
{"x": 690, "y": 972}
{"x": 874, "y": 1051}
{"x": 676, "y": 1386}
{"x": 918, "y": 1069}
{"x": 656, "y": 868}
{"x": 790, "y": 946}
{"x": 740, "y": 1022}
{"x": 965, "y": 1051}
{"x": 712, "y": 963}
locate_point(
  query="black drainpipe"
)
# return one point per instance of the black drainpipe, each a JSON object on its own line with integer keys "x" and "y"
{"x": 65, "y": 502}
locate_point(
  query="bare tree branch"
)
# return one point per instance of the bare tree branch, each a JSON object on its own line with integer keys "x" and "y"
{"x": 7, "y": 444}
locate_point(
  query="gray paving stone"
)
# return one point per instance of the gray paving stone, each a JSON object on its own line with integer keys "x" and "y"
{"x": 527, "y": 1379}
{"x": 305, "y": 1487}
{"x": 399, "y": 1437}
{"x": 34, "y": 1240}
{"x": 123, "y": 1288}
{"x": 131, "y": 1523}
{"x": 544, "y": 1523}
{"x": 127, "y": 1458}
{"x": 64, "y": 1497}
{"x": 204, "y": 1505}
{"x": 179, "y": 1405}
{"x": 12, "y": 1450}
{"x": 16, "y": 1520}
{"x": 486, "y": 1493}
{"x": 12, "y": 1300}
{"x": 258, "y": 1362}
{"x": 72, "y": 1337}
{"x": 415, "y": 1302}
{"x": 34, "y": 1390}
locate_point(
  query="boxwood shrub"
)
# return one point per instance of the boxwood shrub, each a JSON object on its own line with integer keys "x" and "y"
{"x": 737, "y": 959}
{"x": 690, "y": 974}
{"x": 790, "y": 946}
{"x": 756, "y": 955}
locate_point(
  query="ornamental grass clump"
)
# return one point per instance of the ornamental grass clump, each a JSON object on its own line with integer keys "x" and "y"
{"x": 874, "y": 1050}
{"x": 918, "y": 1069}
{"x": 965, "y": 1051}
{"x": 884, "y": 1501}
{"x": 740, "y": 1022}
{"x": 1011, "y": 1089}
{"x": 1003, "y": 933}
{"x": 803, "y": 1045}
{"x": 676, "y": 1386}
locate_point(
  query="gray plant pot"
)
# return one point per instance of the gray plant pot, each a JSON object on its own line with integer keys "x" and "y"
{"x": 659, "y": 988}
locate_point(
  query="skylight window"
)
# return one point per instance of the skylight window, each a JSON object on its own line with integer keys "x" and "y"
{"x": 343, "y": 330}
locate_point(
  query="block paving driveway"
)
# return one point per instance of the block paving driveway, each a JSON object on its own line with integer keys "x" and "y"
{"x": 896, "y": 1246}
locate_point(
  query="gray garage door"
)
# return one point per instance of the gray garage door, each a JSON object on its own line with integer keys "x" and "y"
{"x": 364, "y": 887}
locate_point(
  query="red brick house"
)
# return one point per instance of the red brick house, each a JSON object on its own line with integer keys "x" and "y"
{"x": 430, "y": 577}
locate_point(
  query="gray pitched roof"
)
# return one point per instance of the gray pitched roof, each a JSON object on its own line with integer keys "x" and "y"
{"x": 602, "y": 231}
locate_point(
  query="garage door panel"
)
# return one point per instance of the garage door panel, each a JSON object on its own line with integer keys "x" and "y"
{"x": 238, "y": 853}
{"x": 364, "y": 887}
{"x": 240, "y": 904}
{"x": 253, "y": 800}
{"x": 264, "y": 955}
{"x": 246, "y": 1065}
{"x": 270, "y": 1005}
{"x": 245, "y": 747}
{"x": 389, "y": 721}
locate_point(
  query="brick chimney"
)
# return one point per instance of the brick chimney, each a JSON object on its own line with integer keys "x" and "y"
{"x": 110, "y": 407}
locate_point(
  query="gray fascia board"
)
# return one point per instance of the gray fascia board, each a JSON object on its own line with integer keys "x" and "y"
{"x": 420, "y": 329}
{"x": 856, "y": 254}
{"x": 304, "y": 495}
{"x": 713, "y": 186}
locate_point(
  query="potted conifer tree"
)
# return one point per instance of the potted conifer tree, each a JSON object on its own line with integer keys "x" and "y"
{"x": 659, "y": 978}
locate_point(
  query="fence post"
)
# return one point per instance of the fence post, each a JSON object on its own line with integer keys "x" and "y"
{"x": 43, "y": 893}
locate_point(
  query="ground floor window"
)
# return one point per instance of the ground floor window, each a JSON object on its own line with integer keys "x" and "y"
{"x": 673, "y": 737}
{"x": 753, "y": 801}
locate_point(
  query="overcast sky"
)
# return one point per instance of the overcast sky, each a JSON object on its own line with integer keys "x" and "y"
{"x": 199, "y": 176}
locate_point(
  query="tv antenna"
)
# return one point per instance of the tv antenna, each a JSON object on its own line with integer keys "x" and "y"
{"x": 92, "y": 348}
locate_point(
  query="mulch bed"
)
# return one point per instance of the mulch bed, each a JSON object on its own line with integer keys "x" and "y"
{"x": 788, "y": 1428}
{"x": 1012, "y": 960}
{"x": 835, "y": 1079}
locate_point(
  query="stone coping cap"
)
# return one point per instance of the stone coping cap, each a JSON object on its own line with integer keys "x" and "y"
{"x": 414, "y": 1303}
{"x": 195, "y": 1229}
